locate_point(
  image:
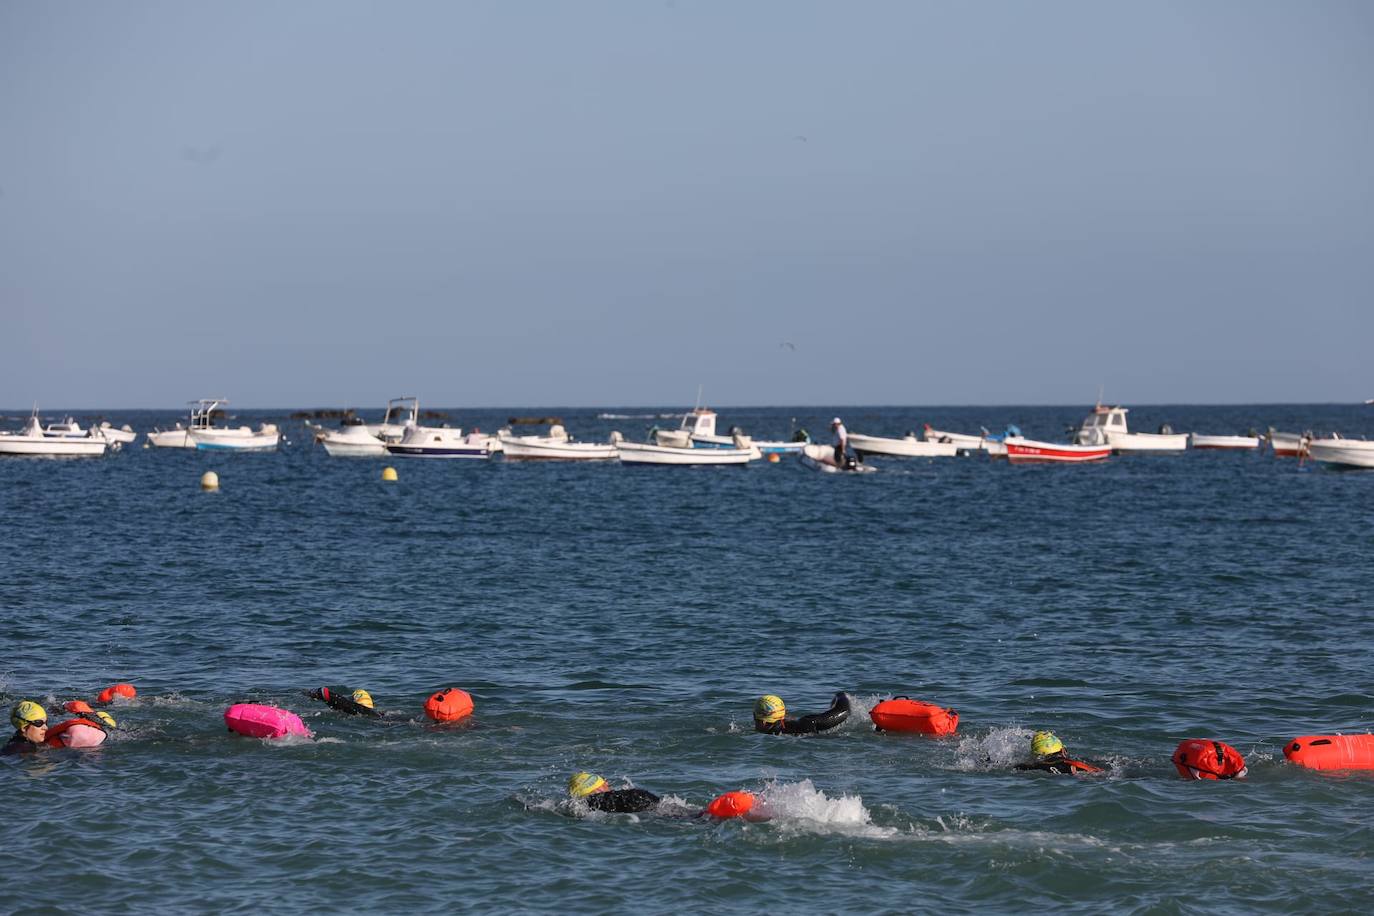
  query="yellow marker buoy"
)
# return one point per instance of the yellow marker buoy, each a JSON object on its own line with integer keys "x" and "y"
{"x": 388, "y": 473}
{"x": 774, "y": 457}
{"x": 209, "y": 481}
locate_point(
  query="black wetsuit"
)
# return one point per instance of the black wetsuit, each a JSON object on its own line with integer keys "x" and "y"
{"x": 623, "y": 801}
{"x": 810, "y": 725}
{"x": 18, "y": 744}
{"x": 340, "y": 698}
{"x": 1060, "y": 763}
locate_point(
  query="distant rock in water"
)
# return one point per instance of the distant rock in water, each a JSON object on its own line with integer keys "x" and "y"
{"x": 326, "y": 413}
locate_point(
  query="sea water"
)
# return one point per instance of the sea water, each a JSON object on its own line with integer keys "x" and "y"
{"x": 623, "y": 620}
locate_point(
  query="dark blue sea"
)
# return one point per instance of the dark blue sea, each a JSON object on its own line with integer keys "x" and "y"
{"x": 623, "y": 620}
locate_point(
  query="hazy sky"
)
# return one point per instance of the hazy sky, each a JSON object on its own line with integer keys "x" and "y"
{"x": 579, "y": 203}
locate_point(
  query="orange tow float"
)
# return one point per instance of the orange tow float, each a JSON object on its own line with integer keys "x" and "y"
{"x": 1331, "y": 752}
{"x": 903, "y": 714}
{"x": 448, "y": 705}
{"x": 1198, "y": 758}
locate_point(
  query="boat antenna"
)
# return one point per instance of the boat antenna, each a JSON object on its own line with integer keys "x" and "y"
{"x": 1100, "y": 386}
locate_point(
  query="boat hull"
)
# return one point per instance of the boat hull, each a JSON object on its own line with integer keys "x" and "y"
{"x": 529, "y": 448}
{"x": 1147, "y": 442}
{"x": 642, "y": 453}
{"x": 1349, "y": 453}
{"x": 959, "y": 440}
{"x": 908, "y": 447}
{"x": 425, "y": 451}
{"x": 1029, "y": 451}
{"x": 53, "y": 446}
{"x": 234, "y": 441}
{"x": 171, "y": 438}
{"x": 822, "y": 458}
{"x": 1234, "y": 443}
{"x": 345, "y": 449}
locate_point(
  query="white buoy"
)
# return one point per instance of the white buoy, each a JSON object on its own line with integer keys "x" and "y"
{"x": 209, "y": 481}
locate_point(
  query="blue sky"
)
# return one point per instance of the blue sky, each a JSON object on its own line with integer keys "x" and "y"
{"x": 506, "y": 203}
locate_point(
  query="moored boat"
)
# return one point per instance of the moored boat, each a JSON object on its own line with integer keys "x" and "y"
{"x": 742, "y": 452}
{"x": 907, "y": 447}
{"x": 1288, "y": 445}
{"x": 1024, "y": 451}
{"x": 353, "y": 440}
{"x": 556, "y": 446}
{"x": 1349, "y": 453}
{"x": 960, "y": 440}
{"x": 1107, "y": 426}
{"x": 439, "y": 442}
{"x": 33, "y": 441}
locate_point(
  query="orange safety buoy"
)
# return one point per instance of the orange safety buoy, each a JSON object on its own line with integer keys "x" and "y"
{"x": 903, "y": 714}
{"x": 1331, "y": 752}
{"x": 448, "y": 705}
{"x": 78, "y": 706}
{"x": 731, "y": 804}
{"x": 1201, "y": 758}
{"x": 116, "y": 690}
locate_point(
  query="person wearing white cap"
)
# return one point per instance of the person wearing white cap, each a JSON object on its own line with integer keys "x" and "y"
{"x": 841, "y": 441}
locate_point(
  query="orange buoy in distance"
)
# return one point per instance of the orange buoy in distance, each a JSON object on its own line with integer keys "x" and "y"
{"x": 731, "y": 804}
{"x": 78, "y": 706}
{"x": 1331, "y": 752}
{"x": 116, "y": 690}
{"x": 903, "y": 714}
{"x": 448, "y": 705}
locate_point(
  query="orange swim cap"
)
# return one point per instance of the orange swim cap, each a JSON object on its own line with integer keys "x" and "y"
{"x": 731, "y": 804}
{"x": 448, "y": 705}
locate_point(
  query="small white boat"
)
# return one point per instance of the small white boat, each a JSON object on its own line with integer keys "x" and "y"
{"x": 907, "y": 447}
{"x": 741, "y": 453}
{"x": 1288, "y": 445}
{"x": 1025, "y": 451}
{"x": 1107, "y": 426}
{"x": 556, "y": 446}
{"x": 959, "y": 440}
{"x": 33, "y": 440}
{"x": 822, "y": 458}
{"x": 353, "y": 440}
{"x": 201, "y": 433}
{"x": 439, "y": 442}
{"x": 698, "y": 430}
{"x": 124, "y": 435}
{"x": 1350, "y": 453}
{"x": 1197, "y": 440}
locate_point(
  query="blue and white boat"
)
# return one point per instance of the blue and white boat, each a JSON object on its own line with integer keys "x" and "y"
{"x": 698, "y": 430}
{"x": 439, "y": 442}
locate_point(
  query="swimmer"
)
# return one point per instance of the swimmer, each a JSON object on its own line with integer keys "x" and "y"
{"x": 770, "y": 717}
{"x": 354, "y": 702}
{"x": 30, "y": 721}
{"x": 1051, "y": 756}
{"x": 597, "y": 794}
{"x": 87, "y": 728}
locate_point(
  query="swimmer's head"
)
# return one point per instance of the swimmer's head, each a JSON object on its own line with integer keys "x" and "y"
{"x": 28, "y": 714}
{"x": 362, "y": 698}
{"x": 769, "y": 710}
{"x": 106, "y": 719}
{"x": 1045, "y": 743}
{"x": 583, "y": 784}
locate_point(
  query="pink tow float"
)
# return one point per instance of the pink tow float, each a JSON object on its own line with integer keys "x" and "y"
{"x": 258, "y": 721}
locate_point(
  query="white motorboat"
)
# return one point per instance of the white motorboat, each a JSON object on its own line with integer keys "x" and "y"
{"x": 1021, "y": 450}
{"x": 556, "y": 446}
{"x": 742, "y": 452}
{"x": 201, "y": 433}
{"x": 439, "y": 442}
{"x": 698, "y": 430}
{"x": 353, "y": 440}
{"x": 906, "y": 447}
{"x": 1197, "y": 440}
{"x": 33, "y": 440}
{"x": 1288, "y": 445}
{"x": 822, "y": 458}
{"x": 1350, "y": 453}
{"x": 1107, "y": 426}
{"x": 400, "y": 413}
{"x": 123, "y": 435}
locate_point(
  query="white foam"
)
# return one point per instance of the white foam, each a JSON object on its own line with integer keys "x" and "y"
{"x": 801, "y": 807}
{"x": 996, "y": 750}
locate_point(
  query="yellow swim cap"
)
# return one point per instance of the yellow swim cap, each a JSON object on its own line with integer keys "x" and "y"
{"x": 362, "y": 698}
{"x": 583, "y": 784}
{"x": 26, "y": 713}
{"x": 769, "y": 709}
{"x": 1045, "y": 743}
{"x": 106, "y": 719}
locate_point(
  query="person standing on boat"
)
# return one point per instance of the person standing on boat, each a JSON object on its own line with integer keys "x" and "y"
{"x": 841, "y": 441}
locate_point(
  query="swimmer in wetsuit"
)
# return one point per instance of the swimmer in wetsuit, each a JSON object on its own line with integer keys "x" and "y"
{"x": 770, "y": 717}
{"x": 30, "y": 721}
{"x": 354, "y": 702}
{"x": 599, "y": 795}
{"x": 1051, "y": 757}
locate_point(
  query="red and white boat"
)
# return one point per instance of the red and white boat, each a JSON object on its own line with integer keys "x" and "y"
{"x": 1025, "y": 451}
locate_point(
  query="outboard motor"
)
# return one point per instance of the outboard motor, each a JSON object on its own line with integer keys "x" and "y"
{"x": 1165, "y": 429}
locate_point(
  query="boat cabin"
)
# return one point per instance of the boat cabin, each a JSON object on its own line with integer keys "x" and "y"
{"x": 700, "y": 422}
{"x": 1097, "y": 424}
